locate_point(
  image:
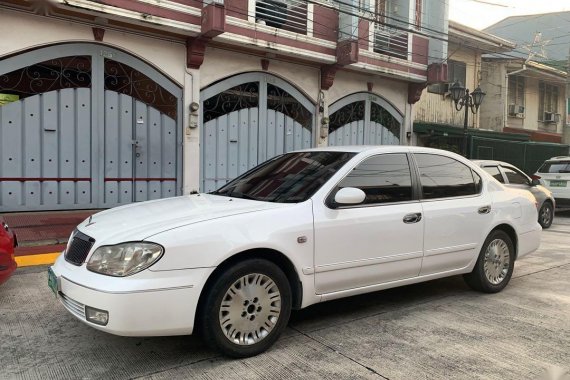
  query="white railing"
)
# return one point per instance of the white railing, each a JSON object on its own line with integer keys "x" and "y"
{"x": 392, "y": 42}
{"x": 284, "y": 14}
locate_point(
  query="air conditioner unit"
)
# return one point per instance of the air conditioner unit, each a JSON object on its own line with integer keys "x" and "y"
{"x": 556, "y": 117}
{"x": 549, "y": 117}
{"x": 516, "y": 110}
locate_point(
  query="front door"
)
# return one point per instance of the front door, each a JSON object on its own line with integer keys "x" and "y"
{"x": 375, "y": 242}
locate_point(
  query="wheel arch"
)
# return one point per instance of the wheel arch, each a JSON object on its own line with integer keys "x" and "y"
{"x": 509, "y": 230}
{"x": 272, "y": 255}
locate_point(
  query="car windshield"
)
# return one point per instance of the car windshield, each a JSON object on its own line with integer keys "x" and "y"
{"x": 289, "y": 178}
{"x": 555, "y": 167}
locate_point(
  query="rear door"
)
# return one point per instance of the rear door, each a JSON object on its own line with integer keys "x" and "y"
{"x": 457, "y": 212}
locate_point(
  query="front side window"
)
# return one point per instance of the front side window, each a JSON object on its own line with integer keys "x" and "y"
{"x": 289, "y": 178}
{"x": 444, "y": 177}
{"x": 515, "y": 177}
{"x": 495, "y": 172}
{"x": 384, "y": 178}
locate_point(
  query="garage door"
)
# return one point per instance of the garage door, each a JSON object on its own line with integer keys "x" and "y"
{"x": 364, "y": 119}
{"x": 249, "y": 119}
{"x": 85, "y": 126}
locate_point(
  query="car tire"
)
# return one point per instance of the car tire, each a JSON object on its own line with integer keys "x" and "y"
{"x": 495, "y": 264}
{"x": 246, "y": 308}
{"x": 546, "y": 215}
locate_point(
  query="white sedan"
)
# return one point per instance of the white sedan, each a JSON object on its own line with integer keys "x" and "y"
{"x": 304, "y": 227}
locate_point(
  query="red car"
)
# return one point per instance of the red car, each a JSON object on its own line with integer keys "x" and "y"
{"x": 8, "y": 242}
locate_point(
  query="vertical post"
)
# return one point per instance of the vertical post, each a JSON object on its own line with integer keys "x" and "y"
{"x": 465, "y": 120}
{"x": 566, "y": 125}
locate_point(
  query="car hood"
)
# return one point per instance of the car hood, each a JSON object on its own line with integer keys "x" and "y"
{"x": 139, "y": 221}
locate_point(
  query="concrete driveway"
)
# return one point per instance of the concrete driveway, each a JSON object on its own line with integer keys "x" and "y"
{"x": 436, "y": 330}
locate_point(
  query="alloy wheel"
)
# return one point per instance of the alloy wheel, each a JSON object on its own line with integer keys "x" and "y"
{"x": 496, "y": 261}
{"x": 250, "y": 309}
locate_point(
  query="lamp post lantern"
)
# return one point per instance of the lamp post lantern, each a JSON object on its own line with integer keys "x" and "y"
{"x": 471, "y": 101}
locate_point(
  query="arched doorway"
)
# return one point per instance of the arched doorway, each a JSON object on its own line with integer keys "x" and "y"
{"x": 364, "y": 119}
{"x": 86, "y": 125}
{"x": 248, "y": 119}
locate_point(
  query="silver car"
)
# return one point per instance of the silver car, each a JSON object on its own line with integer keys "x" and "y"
{"x": 510, "y": 176}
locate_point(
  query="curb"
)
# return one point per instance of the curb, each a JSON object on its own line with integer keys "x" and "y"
{"x": 38, "y": 259}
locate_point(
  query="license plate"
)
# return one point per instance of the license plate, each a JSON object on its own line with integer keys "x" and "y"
{"x": 558, "y": 183}
{"x": 52, "y": 281}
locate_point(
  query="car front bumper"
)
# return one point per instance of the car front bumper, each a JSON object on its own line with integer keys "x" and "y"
{"x": 146, "y": 304}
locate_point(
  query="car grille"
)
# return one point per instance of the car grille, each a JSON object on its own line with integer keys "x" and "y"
{"x": 79, "y": 248}
{"x": 73, "y": 306}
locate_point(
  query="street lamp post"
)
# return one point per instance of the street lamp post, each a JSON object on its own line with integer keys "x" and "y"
{"x": 471, "y": 101}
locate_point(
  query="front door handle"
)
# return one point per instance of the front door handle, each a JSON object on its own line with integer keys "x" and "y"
{"x": 413, "y": 218}
{"x": 484, "y": 210}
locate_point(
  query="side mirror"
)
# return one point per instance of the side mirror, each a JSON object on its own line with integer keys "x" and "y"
{"x": 349, "y": 196}
{"x": 535, "y": 182}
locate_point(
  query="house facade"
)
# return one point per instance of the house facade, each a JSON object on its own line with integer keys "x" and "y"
{"x": 435, "y": 113}
{"x": 107, "y": 102}
{"x": 524, "y": 97}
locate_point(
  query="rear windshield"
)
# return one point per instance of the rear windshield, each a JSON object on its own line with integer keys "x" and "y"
{"x": 555, "y": 167}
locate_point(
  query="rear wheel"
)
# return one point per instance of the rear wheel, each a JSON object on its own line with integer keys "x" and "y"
{"x": 546, "y": 215}
{"x": 495, "y": 264}
{"x": 246, "y": 308}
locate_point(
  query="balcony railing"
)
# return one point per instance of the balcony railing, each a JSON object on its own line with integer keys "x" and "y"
{"x": 289, "y": 15}
{"x": 390, "y": 41}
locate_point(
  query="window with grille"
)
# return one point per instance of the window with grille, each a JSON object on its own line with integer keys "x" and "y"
{"x": 548, "y": 101}
{"x": 516, "y": 90}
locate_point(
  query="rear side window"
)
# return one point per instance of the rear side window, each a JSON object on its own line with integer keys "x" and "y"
{"x": 494, "y": 171}
{"x": 384, "y": 178}
{"x": 515, "y": 177}
{"x": 444, "y": 177}
{"x": 555, "y": 167}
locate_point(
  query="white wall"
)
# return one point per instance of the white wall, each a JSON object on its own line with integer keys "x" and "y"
{"x": 219, "y": 64}
{"x": 21, "y": 31}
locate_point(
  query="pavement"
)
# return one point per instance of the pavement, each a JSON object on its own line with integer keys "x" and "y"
{"x": 435, "y": 330}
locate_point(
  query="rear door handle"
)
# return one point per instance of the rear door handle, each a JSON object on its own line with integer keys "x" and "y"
{"x": 484, "y": 210}
{"x": 413, "y": 218}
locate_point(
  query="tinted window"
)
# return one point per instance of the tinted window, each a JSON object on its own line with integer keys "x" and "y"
{"x": 443, "y": 177}
{"x": 555, "y": 167}
{"x": 494, "y": 171}
{"x": 515, "y": 177}
{"x": 384, "y": 178}
{"x": 292, "y": 177}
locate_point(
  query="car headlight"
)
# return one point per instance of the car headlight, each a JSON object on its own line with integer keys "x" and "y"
{"x": 124, "y": 259}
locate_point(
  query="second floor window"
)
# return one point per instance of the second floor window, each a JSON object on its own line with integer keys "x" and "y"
{"x": 548, "y": 98}
{"x": 283, "y": 14}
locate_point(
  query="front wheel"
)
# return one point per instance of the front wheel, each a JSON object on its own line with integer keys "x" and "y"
{"x": 246, "y": 308}
{"x": 546, "y": 215}
{"x": 495, "y": 264}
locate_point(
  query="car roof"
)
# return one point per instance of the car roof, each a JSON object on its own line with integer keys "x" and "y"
{"x": 559, "y": 158}
{"x": 378, "y": 149}
{"x": 492, "y": 162}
